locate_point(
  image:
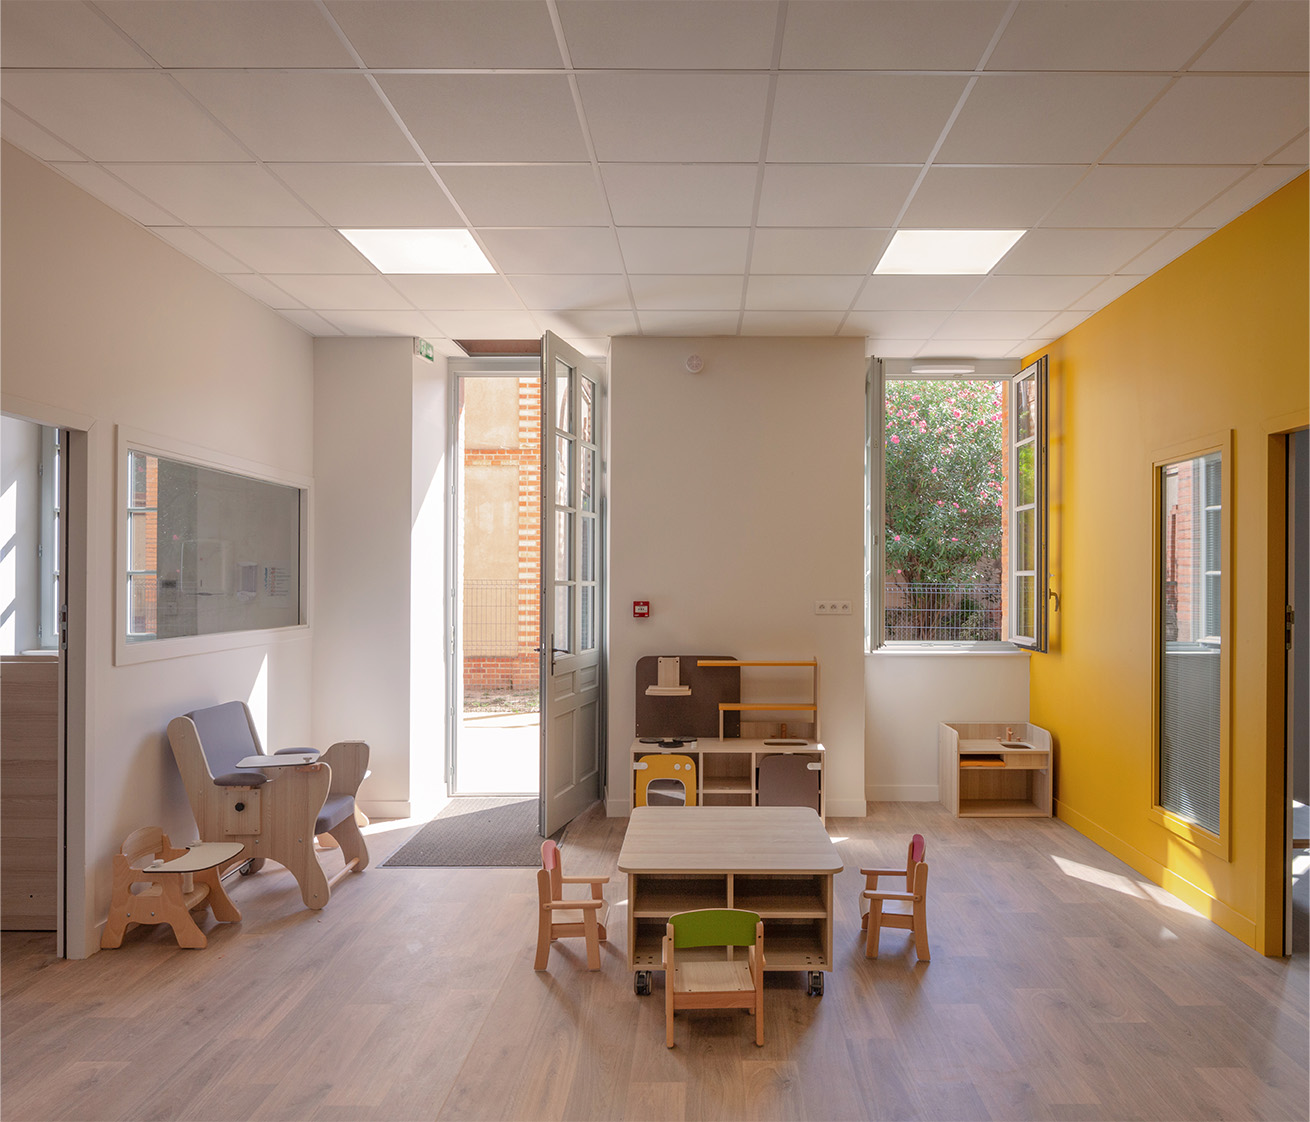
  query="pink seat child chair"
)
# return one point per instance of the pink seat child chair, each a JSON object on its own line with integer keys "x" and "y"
{"x": 915, "y": 877}
{"x": 558, "y": 918}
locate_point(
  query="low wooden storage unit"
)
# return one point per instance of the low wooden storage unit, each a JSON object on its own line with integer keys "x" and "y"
{"x": 727, "y": 770}
{"x": 995, "y": 769}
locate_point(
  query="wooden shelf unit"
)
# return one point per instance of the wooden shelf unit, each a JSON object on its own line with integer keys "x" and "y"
{"x": 811, "y": 707}
{"x": 983, "y": 773}
{"x": 727, "y": 770}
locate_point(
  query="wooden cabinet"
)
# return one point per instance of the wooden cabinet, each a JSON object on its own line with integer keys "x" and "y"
{"x": 995, "y": 769}
{"x": 727, "y": 771}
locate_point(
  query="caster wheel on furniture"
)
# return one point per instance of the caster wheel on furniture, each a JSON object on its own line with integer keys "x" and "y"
{"x": 814, "y": 984}
{"x": 641, "y": 983}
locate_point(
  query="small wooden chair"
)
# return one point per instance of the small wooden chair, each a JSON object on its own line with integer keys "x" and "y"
{"x": 721, "y": 983}
{"x": 915, "y": 877}
{"x": 558, "y": 918}
{"x": 173, "y": 892}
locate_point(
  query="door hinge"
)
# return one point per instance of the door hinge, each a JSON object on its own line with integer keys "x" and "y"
{"x": 1289, "y": 620}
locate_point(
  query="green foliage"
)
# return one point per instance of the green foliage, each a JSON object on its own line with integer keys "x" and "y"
{"x": 943, "y": 481}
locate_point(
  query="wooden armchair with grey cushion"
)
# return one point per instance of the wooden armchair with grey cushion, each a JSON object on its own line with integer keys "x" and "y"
{"x": 274, "y": 813}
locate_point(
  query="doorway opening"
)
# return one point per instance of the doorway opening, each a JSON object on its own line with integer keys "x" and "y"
{"x": 496, "y": 539}
{"x": 1297, "y": 922}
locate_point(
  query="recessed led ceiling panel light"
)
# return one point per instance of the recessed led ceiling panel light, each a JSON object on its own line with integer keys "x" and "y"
{"x": 939, "y": 252}
{"x": 420, "y": 251}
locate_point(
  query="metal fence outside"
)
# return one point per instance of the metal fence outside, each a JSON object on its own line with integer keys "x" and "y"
{"x": 942, "y": 612}
{"x": 493, "y": 612}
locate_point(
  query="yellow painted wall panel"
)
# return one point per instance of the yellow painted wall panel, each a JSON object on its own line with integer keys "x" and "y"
{"x": 1215, "y": 341}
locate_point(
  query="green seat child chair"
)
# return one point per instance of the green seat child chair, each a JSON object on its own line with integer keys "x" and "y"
{"x": 719, "y": 982}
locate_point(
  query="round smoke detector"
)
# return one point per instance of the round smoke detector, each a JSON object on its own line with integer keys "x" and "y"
{"x": 694, "y": 364}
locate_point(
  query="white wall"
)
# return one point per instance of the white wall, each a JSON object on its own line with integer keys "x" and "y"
{"x": 20, "y": 533}
{"x": 104, "y": 324}
{"x": 907, "y": 694}
{"x": 380, "y": 437}
{"x": 736, "y": 501}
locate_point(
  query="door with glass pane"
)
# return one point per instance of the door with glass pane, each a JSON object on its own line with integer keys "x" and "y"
{"x": 571, "y": 585}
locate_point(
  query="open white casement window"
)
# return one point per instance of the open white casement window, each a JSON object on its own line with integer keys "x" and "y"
{"x": 956, "y": 505}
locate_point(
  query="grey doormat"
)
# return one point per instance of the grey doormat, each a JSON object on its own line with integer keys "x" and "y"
{"x": 475, "y": 832}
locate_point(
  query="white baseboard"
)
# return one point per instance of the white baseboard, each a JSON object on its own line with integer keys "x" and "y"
{"x": 903, "y": 793}
{"x": 846, "y": 808}
{"x": 385, "y": 808}
{"x": 618, "y": 808}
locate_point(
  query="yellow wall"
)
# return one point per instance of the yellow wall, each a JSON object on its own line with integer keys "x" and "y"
{"x": 1215, "y": 341}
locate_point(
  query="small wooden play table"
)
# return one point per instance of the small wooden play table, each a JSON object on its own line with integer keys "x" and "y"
{"x": 777, "y": 861}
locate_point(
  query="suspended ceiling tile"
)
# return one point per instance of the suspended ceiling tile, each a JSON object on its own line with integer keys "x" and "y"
{"x": 371, "y": 321}
{"x": 545, "y": 195}
{"x": 456, "y": 324}
{"x": 217, "y": 194}
{"x": 889, "y": 34}
{"x": 262, "y": 289}
{"x": 32, "y": 138}
{"x": 120, "y": 115}
{"x": 556, "y": 249}
{"x": 1297, "y": 153}
{"x": 701, "y": 249}
{"x": 1046, "y": 118}
{"x": 272, "y": 249}
{"x": 38, "y": 33}
{"x": 1107, "y": 34}
{"x": 800, "y": 293}
{"x": 1218, "y": 119}
{"x": 915, "y": 293}
{"x": 817, "y": 250}
{"x": 892, "y": 348}
{"x": 991, "y": 325}
{"x": 941, "y": 348}
{"x": 475, "y": 118}
{"x": 1140, "y": 196}
{"x": 1029, "y": 294}
{"x": 588, "y": 323}
{"x": 1106, "y": 292}
{"x": 563, "y": 293}
{"x": 687, "y": 292}
{"x": 897, "y": 325}
{"x": 113, "y": 192}
{"x": 219, "y": 33}
{"x": 680, "y": 194}
{"x": 988, "y": 197}
{"x": 1267, "y": 35}
{"x": 469, "y": 34}
{"x": 689, "y": 323}
{"x": 726, "y": 35}
{"x": 801, "y": 322}
{"x": 364, "y": 195}
{"x": 201, "y": 249}
{"x": 1242, "y": 196}
{"x": 311, "y": 322}
{"x": 695, "y": 117}
{"x": 1074, "y": 252}
{"x": 1058, "y": 325}
{"x": 860, "y": 118}
{"x": 458, "y": 292}
{"x": 1174, "y": 244}
{"x": 833, "y": 194}
{"x": 296, "y": 115}
{"x": 351, "y": 291}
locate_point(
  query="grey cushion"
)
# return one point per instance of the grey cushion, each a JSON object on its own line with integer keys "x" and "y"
{"x": 241, "y": 779}
{"x": 225, "y": 736}
{"x": 337, "y": 809}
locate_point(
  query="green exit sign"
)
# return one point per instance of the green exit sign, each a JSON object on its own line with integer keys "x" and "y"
{"x": 423, "y": 349}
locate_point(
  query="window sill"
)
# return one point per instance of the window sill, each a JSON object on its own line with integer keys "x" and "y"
{"x": 1190, "y": 832}
{"x": 1002, "y": 650}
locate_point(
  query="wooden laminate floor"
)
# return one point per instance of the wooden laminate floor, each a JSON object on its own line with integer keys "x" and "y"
{"x": 1061, "y": 986}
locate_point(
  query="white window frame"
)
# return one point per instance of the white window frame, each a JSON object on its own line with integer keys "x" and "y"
{"x": 879, "y": 373}
{"x": 1039, "y": 574}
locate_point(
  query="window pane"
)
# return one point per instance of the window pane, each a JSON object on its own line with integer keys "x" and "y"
{"x": 1190, "y": 624}
{"x": 1027, "y": 534}
{"x": 587, "y": 567}
{"x": 1025, "y": 476}
{"x": 587, "y": 499}
{"x": 563, "y": 545}
{"x": 142, "y": 596}
{"x": 1024, "y": 398}
{"x": 564, "y": 617}
{"x": 563, "y": 472}
{"x": 588, "y": 624}
{"x": 586, "y": 429}
{"x": 943, "y": 483}
{"x": 141, "y": 541}
{"x": 141, "y": 469}
{"x": 1025, "y": 608}
{"x": 563, "y": 396}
